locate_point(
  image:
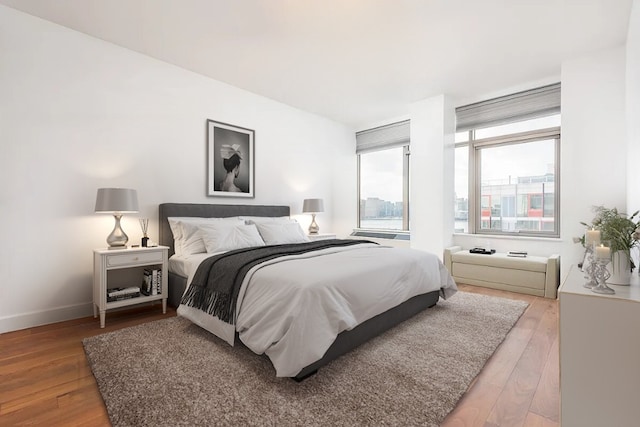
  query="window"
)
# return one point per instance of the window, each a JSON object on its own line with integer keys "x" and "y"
{"x": 461, "y": 208}
{"x": 517, "y": 166}
{"x": 507, "y": 166}
{"x": 383, "y": 178}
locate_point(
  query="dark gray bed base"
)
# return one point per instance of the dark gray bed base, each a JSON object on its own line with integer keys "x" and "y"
{"x": 347, "y": 340}
{"x": 177, "y": 285}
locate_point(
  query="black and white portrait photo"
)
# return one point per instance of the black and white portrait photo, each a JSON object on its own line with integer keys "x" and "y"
{"x": 230, "y": 160}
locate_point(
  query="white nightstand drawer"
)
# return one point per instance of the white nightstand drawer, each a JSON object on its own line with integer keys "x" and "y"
{"x": 133, "y": 258}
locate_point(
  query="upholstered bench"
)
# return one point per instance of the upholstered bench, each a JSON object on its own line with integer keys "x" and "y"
{"x": 532, "y": 275}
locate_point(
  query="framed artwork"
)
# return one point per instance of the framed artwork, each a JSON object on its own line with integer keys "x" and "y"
{"x": 230, "y": 160}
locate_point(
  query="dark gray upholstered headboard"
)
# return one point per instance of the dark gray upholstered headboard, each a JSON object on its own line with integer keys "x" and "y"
{"x": 167, "y": 210}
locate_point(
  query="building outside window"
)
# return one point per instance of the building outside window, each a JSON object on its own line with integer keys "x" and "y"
{"x": 383, "y": 178}
{"x": 507, "y": 165}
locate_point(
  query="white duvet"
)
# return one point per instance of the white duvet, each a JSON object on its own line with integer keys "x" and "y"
{"x": 292, "y": 308}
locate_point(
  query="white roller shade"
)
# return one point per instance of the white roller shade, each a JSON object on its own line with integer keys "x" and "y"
{"x": 388, "y": 136}
{"x": 529, "y": 104}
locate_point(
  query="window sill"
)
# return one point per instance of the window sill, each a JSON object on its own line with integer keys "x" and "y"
{"x": 382, "y": 234}
{"x": 509, "y": 237}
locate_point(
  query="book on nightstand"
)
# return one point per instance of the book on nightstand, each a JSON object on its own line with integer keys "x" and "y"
{"x": 159, "y": 282}
{"x": 119, "y": 294}
{"x": 146, "y": 282}
{"x": 152, "y": 282}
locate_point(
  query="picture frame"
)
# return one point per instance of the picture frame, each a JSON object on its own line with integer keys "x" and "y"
{"x": 230, "y": 160}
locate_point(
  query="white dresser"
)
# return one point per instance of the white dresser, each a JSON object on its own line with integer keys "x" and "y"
{"x": 599, "y": 354}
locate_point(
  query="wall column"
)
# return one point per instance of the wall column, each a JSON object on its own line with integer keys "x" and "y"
{"x": 431, "y": 173}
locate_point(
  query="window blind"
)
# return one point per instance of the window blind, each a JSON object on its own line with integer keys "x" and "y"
{"x": 529, "y": 104}
{"x": 383, "y": 137}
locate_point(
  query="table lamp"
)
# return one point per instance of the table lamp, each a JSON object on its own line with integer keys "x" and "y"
{"x": 313, "y": 206}
{"x": 117, "y": 201}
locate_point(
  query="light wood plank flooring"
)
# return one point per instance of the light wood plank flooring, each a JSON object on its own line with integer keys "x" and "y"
{"x": 45, "y": 378}
{"x": 520, "y": 384}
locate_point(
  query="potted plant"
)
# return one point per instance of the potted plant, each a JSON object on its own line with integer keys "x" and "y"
{"x": 621, "y": 233}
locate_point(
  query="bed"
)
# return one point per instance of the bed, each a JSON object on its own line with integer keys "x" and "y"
{"x": 346, "y": 339}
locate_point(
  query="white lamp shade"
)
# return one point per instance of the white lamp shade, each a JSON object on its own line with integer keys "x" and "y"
{"x": 120, "y": 200}
{"x": 313, "y": 205}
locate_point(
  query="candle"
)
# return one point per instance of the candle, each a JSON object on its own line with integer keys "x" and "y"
{"x": 593, "y": 237}
{"x": 603, "y": 252}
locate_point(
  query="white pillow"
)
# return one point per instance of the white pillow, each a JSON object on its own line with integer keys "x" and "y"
{"x": 227, "y": 237}
{"x": 184, "y": 229}
{"x": 279, "y": 233}
{"x": 267, "y": 219}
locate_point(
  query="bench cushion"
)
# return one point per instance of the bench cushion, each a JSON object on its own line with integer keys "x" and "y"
{"x": 520, "y": 278}
{"x": 499, "y": 260}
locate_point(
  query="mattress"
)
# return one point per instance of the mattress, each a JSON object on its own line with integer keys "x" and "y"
{"x": 185, "y": 265}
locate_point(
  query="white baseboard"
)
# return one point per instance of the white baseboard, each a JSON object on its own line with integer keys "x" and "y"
{"x": 39, "y": 318}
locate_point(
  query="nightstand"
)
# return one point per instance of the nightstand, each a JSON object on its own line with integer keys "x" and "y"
{"x": 123, "y": 268}
{"x": 321, "y": 236}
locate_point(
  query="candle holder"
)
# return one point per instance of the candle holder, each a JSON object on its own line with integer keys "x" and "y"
{"x": 588, "y": 266}
{"x": 601, "y": 275}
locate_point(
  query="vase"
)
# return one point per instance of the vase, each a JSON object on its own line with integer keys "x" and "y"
{"x": 620, "y": 269}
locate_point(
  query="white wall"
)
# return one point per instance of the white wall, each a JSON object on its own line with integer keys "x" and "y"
{"x": 77, "y": 113}
{"x": 431, "y": 174}
{"x": 594, "y": 143}
{"x": 633, "y": 108}
{"x": 633, "y": 114}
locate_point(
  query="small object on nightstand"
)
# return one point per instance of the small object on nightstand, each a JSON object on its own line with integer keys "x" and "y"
{"x": 118, "y": 294}
{"x": 144, "y": 225}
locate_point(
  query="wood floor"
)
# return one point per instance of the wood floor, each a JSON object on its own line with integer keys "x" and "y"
{"x": 45, "y": 378}
{"x": 520, "y": 384}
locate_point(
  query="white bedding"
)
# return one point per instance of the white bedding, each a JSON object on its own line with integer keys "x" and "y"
{"x": 292, "y": 308}
{"x": 185, "y": 265}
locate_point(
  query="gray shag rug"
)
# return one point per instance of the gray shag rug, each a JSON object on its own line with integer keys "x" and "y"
{"x": 173, "y": 373}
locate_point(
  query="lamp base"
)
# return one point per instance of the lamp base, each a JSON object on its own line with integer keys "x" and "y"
{"x": 313, "y": 228}
{"x": 118, "y": 238}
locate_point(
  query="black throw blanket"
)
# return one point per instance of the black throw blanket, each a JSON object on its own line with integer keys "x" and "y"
{"x": 216, "y": 283}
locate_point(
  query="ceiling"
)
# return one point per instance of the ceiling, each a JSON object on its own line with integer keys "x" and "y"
{"x": 353, "y": 61}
